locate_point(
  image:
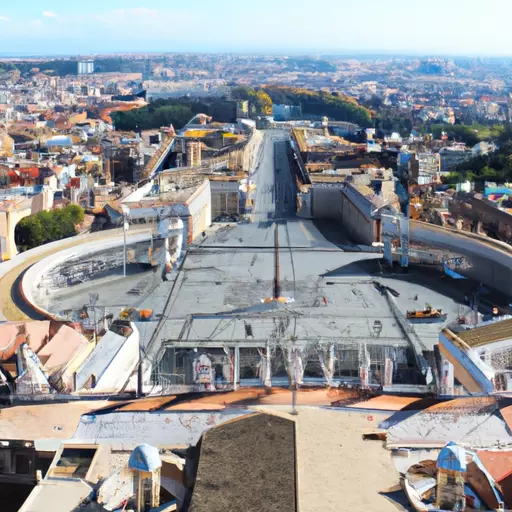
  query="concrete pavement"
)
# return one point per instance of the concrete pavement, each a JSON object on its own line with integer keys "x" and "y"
{"x": 225, "y": 277}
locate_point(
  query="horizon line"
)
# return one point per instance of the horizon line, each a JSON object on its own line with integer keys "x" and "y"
{"x": 264, "y": 53}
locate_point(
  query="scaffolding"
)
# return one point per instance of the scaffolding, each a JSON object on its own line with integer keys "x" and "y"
{"x": 282, "y": 363}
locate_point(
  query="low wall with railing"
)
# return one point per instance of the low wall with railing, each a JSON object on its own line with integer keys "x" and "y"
{"x": 490, "y": 260}
{"x": 34, "y": 287}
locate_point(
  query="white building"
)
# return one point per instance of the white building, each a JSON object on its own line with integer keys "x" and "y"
{"x": 85, "y": 67}
{"x": 483, "y": 148}
{"x": 453, "y": 156}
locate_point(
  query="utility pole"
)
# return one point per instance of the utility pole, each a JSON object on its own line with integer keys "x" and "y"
{"x": 126, "y": 213}
{"x": 294, "y": 385}
{"x": 93, "y": 300}
{"x": 277, "y": 285}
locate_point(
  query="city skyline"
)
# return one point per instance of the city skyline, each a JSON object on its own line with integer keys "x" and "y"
{"x": 61, "y": 28}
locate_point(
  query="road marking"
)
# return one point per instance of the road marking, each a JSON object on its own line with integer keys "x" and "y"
{"x": 306, "y": 232}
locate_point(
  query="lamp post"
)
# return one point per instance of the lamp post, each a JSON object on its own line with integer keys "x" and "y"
{"x": 294, "y": 385}
{"x": 126, "y": 226}
{"x": 93, "y": 300}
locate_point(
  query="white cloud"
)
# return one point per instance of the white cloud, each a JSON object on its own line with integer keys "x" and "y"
{"x": 134, "y": 13}
{"x": 49, "y": 14}
{"x": 4, "y": 18}
{"x": 143, "y": 11}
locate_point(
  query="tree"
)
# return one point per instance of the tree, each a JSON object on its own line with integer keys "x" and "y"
{"x": 48, "y": 226}
{"x": 29, "y": 233}
{"x": 321, "y": 103}
{"x": 452, "y": 178}
{"x": 77, "y": 214}
{"x": 243, "y": 93}
{"x": 175, "y": 111}
{"x": 263, "y": 102}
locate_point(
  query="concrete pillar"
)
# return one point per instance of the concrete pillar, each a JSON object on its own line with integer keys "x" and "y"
{"x": 447, "y": 382}
{"x": 236, "y": 374}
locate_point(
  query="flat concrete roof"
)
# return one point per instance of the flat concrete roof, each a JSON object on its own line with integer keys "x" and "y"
{"x": 235, "y": 264}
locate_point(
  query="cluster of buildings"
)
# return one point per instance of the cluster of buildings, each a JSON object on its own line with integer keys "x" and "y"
{"x": 58, "y": 145}
{"x": 187, "y": 452}
{"x": 225, "y": 387}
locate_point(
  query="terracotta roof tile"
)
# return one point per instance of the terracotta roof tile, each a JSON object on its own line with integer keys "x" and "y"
{"x": 498, "y": 463}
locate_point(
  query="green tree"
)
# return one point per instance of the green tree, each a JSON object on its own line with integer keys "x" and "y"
{"x": 48, "y": 226}
{"x": 243, "y": 93}
{"x": 321, "y": 103}
{"x": 76, "y": 212}
{"x": 453, "y": 178}
{"x": 489, "y": 172}
{"x": 29, "y": 233}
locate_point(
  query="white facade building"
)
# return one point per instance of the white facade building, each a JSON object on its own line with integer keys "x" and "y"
{"x": 85, "y": 67}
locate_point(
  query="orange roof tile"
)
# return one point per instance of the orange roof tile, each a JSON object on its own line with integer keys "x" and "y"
{"x": 148, "y": 404}
{"x": 386, "y": 403}
{"x": 43, "y": 421}
{"x": 465, "y": 405}
{"x": 506, "y": 413}
{"x": 498, "y": 463}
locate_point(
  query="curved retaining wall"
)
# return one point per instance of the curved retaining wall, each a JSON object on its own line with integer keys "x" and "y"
{"x": 33, "y": 278}
{"x": 491, "y": 259}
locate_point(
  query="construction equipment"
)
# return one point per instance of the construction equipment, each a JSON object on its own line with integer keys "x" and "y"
{"x": 429, "y": 314}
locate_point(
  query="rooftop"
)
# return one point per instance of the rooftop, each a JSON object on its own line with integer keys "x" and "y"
{"x": 263, "y": 442}
{"x": 479, "y": 336}
{"x": 45, "y": 424}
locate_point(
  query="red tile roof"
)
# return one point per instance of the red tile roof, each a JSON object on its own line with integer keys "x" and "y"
{"x": 28, "y": 173}
{"x": 498, "y": 463}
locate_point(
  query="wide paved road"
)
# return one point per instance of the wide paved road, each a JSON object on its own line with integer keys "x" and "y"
{"x": 275, "y": 189}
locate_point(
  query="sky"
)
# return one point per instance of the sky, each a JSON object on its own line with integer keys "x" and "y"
{"x": 433, "y": 27}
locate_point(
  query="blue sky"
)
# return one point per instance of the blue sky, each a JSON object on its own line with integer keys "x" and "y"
{"x": 467, "y": 27}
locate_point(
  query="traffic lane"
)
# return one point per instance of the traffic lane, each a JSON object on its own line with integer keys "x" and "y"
{"x": 284, "y": 183}
{"x": 264, "y": 206}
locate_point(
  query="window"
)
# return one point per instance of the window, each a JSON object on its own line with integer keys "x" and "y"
{"x": 23, "y": 463}
{"x": 250, "y": 363}
{"x": 74, "y": 462}
{"x": 5, "y": 462}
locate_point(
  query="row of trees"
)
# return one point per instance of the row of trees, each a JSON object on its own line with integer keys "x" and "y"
{"x": 176, "y": 111}
{"x": 495, "y": 166}
{"x": 48, "y": 226}
{"x": 321, "y": 103}
{"x": 314, "y": 103}
{"x": 469, "y": 134}
{"x": 260, "y": 101}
